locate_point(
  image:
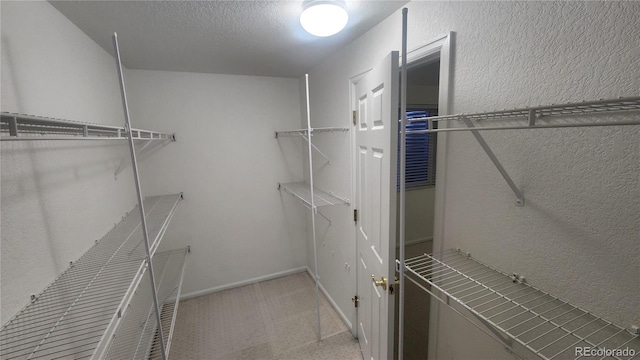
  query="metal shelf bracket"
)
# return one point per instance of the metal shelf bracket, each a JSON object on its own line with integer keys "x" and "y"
{"x": 540, "y": 117}
{"x": 496, "y": 162}
{"x": 124, "y": 164}
{"x": 316, "y": 149}
{"x": 303, "y": 133}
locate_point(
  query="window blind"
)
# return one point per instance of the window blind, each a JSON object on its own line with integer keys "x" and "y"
{"x": 420, "y": 167}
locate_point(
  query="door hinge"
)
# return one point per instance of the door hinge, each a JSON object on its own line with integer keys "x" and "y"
{"x": 354, "y": 117}
{"x": 355, "y": 300}
{"x": 355, "y": 215}
{"x": 393, "y": 285}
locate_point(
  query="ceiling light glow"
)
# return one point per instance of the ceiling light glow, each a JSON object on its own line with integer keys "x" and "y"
{"x": 323, "y": 17}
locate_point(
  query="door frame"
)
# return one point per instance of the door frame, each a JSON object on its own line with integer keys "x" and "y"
{"x": 440, "y": 47}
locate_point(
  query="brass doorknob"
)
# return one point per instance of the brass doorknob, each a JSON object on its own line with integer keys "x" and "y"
{"x": 382, "y": 282}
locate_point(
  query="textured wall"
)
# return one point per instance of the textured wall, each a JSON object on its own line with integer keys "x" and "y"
{"x": 228, "y": 163}
{"x": 577, "y": 236}
{"x": 57, "y": 196}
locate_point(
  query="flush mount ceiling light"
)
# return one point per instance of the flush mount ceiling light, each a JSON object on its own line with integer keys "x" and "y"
{"x": 324, "y": 17}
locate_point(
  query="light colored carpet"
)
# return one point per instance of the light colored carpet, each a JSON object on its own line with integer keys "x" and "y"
{"x": 274, "y": 319}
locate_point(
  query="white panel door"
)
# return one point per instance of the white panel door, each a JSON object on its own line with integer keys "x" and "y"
{"x": 376, "y": 146}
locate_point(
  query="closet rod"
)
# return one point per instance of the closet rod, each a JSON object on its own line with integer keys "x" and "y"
{"x": 134, "y": 165}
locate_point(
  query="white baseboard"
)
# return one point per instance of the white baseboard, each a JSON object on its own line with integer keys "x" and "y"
{"x": 344, "y": 317}
{"x": 242, "y": 283}
{"x": 212, "y": 290}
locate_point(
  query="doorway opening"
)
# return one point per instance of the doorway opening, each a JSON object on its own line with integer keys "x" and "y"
{"x": 437, "y": 53}
{"x": 422, "y": 100}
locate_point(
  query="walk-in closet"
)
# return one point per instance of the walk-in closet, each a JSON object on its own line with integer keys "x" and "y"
{"x": 224, "y": 180}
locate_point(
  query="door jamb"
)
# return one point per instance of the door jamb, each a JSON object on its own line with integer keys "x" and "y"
{"x": 442, "y": 48}
{"x": 353, "y": 81}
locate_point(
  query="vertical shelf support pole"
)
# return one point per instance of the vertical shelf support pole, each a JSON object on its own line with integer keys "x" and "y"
{"x": 496, "y": 162}
{"x": 403, "y": 150}
{"x": 134, "y": 165}
{"x": 313, "y": 209}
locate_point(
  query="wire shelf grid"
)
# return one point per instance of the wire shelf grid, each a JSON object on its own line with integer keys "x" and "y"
{"x": 302, "y": 192}
{"x": 304, "y": 132}
{"x": 552, "y": 116}
{"x": 137, "y": 335}
{"x": 15, "y": 127}
{"x": 70, "y": 317}
{"x": 525, "y": 317}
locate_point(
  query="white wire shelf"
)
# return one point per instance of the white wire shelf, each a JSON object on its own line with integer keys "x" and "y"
{"x": 136, "y": 337}
{"x": 551, "y": 116}
{"x": 20, "y": 127}
{"x": 78, "y": 313}
{"x": 302, "y": 192}
{"x": 533, "y": 323}
{"x": 304, "y": 132}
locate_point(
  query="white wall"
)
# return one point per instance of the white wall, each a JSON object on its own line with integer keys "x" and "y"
{"x": 57, "y": 196}
{"x": 227, "y": 162}
{"x": 419, "y": 214}
{"x": 577, "y": 235}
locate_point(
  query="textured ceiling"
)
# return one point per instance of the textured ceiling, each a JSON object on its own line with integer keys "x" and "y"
{"x": 261, "y": 38}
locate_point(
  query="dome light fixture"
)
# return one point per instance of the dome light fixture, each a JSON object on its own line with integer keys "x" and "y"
{"x": 324, "y": 17}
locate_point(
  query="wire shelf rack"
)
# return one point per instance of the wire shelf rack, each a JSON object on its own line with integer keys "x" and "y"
{"x": 304, "y": 132}
{"x": 302, "y": 192}
{"x": 551, "y": 116}
{"x": 137, "y": 335}
{"x": 17, "y": 127}
{"x": 533, "y": 323}
{"x": 78, "y": 313}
